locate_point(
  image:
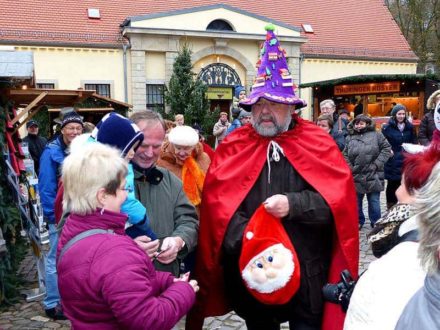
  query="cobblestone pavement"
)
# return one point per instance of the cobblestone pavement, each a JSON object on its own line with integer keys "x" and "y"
{"x": 30, "y": 315}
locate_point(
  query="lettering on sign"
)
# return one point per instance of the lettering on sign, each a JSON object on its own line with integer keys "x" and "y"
{"x": 373, "y": 88}
{"x": 219, "y": 93}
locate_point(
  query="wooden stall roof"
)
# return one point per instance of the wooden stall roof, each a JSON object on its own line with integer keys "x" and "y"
{"x": 33, "y": 99}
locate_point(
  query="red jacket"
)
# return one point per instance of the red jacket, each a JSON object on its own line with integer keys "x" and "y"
{"x": 107, "y": 282}
{"x": 238, "y": 162}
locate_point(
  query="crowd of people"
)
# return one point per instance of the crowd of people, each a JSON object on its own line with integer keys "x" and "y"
{"x": 147, "y": 224}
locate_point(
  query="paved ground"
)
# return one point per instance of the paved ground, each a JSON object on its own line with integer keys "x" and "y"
{"x": 26, "y": 315}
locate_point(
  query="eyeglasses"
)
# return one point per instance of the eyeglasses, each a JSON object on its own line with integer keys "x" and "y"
{"x": 71, "y": 129}
{"x": 127, "y": 189}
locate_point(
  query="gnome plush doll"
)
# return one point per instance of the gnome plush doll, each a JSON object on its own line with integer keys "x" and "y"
{"x": 268, "y": 262}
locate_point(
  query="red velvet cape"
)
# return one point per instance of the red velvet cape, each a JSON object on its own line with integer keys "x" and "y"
{"x": 235, "y": 168}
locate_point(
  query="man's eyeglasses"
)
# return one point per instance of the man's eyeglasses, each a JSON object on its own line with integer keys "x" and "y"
{"x": 71, "y": 129}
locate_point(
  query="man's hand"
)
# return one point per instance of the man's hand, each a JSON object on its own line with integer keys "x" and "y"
{"x": 277, "y": 205}
{"x": 171, "y": 246}
{"x": 146, "y": 244}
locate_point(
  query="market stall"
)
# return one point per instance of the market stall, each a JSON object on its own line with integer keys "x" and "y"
{"x": 375, "y": 95}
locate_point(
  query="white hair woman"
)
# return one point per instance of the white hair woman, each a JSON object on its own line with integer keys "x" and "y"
{"x": 423, "y": 310}
{"x": 104, "y": 278}
{"x": 183, "y": 155}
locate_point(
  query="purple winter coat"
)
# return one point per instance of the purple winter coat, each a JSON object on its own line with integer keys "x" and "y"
{"x": 107, "y": 282}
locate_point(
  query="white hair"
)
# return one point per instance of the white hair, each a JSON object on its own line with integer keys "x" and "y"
{"x": 84, "y": 173}
{"x": 428, "y": 207}
{"x": 327, "y": 101}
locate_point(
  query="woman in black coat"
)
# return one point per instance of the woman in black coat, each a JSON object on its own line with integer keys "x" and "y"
{"x": 366, "y": 152}
{"x": 398, "y": 131}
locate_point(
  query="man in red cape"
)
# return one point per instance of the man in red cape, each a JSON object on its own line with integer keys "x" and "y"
{"x": 298, "y": 173}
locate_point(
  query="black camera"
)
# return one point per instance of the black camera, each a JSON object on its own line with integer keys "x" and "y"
{"x": 340, "y": 293}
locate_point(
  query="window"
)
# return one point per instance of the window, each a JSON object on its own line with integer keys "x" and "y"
{"x": 101, "y": 89}
{"x": 45, "y": 85}
{"x": 155, "y": 96}
{"x": 219, "y": 25}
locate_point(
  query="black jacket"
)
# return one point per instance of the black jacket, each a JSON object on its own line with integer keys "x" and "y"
{"x": 36, "y": 146}
{"x": 426, "y": 128}
{"x": 309, "y": 225}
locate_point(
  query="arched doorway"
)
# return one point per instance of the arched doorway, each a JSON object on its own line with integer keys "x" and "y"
{"x": 221, "y": 80}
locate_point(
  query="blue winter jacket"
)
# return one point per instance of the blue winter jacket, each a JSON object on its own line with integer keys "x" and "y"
{"x": 50, "y": 171}
{"x": 393, "y": 167}
{"x": 236, "y": 123}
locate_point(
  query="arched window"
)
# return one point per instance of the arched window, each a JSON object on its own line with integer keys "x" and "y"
{"x": 219, "y": 25}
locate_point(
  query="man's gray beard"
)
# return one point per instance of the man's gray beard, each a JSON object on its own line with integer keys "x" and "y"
{"x": 272, "y": 131}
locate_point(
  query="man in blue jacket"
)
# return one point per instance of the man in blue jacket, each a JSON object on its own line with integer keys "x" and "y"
{"x": 50, "y": 171}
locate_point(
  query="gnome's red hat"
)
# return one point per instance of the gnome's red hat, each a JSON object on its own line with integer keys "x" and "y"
{"x": 268, "y": 261}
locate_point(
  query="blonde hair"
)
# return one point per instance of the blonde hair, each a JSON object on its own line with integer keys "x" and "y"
{"x": 430, "y": 104}
{"x": 428, "y": 208}
{"x": 84, "y": 173}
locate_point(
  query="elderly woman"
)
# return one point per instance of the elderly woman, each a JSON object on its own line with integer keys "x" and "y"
{"x": 183, "y": 155}
{"x": 383, "y": 290}
{"x": 105, "y": 279}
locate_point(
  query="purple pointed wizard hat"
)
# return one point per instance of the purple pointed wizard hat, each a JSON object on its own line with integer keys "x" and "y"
{"x": 273, "y": 81}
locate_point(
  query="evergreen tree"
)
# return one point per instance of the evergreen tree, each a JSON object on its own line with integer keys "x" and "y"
{"x": 187, "y": 95}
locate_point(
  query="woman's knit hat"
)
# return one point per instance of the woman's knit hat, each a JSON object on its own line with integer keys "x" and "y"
{"x": 274, "y": 81}
{"x": 397, "y": 108}
{"x": 119, "y": 132}
{"x": 183, "y": 136}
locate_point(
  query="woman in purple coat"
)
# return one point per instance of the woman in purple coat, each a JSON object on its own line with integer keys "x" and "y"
{"x": 105, "y": 280}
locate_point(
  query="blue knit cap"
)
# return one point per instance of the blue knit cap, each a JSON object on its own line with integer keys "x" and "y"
{"x": 117, "y": 131}
{"x": 238, "y": 90}
{"x": 72, "y": 117}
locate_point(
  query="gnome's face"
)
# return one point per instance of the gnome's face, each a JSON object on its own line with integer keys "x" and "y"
{"x": 270, "y": 270}
{"x": 437, "y": 114}
{"x": 271, "y": 118}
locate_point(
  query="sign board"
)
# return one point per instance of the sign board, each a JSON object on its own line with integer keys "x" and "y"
{"x": 371, "y": 88}
{"x": 219, "y": 93}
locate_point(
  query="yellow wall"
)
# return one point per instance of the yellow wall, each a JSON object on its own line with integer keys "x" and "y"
{"x": 154, "y": 65}
{"x": 199, "y": 21}
{"x": 313, "y": 70}
{"x": 70, "y": 66}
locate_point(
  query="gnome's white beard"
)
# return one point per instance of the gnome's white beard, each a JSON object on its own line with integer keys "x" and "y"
{"x": 273, "y": 275}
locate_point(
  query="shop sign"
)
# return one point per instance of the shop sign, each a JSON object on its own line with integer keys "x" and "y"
{"x": 373, "y": 88}
{"x": 219, "y": 93}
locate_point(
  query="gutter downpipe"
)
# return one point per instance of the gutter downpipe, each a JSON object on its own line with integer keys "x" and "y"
{"x": 124, "y": 59}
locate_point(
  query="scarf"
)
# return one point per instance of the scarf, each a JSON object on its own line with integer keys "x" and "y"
{"x": 192, "y": 178}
